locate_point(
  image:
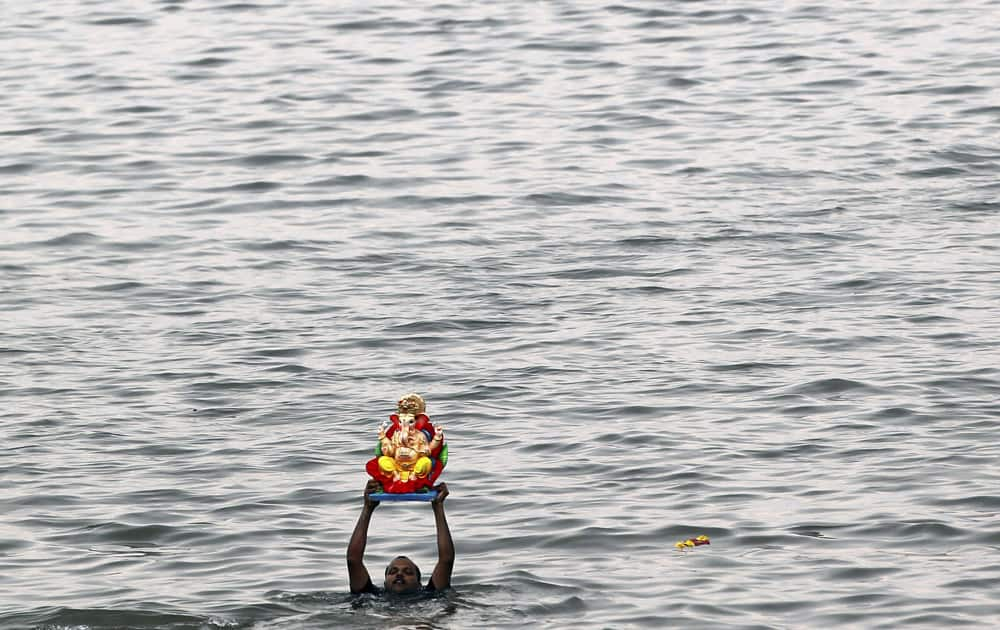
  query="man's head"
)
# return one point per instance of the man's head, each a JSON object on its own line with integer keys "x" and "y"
{"x": 402, "y": 576}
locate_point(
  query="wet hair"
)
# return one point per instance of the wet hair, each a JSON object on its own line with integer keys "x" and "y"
{"x": 415, "y": 567}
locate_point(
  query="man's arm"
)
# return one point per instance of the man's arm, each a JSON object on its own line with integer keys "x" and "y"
{"x": 356, "y": 571}
{"x": 441, "y": 578}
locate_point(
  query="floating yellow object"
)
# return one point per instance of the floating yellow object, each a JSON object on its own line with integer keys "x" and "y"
{"x": 693, "y": 542}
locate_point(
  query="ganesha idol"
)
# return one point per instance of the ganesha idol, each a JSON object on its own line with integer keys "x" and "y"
{"x": 411, "y": 452}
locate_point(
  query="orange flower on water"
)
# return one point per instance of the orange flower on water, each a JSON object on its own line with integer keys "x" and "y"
{"x": 693, "y": 542}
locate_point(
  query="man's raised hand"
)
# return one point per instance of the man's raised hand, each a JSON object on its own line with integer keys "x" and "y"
{"x": 370, "y": 487}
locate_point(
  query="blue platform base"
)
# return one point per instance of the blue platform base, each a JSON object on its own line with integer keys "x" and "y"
{"x": 405, "y": 496}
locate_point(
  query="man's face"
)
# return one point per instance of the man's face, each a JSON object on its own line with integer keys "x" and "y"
{"x": 401, "y": 576}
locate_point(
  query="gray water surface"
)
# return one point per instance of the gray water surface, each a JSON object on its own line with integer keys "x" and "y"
{"x": 661, "y": 269}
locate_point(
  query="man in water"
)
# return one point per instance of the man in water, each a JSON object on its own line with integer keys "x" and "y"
{"x": 402, "y": 575}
